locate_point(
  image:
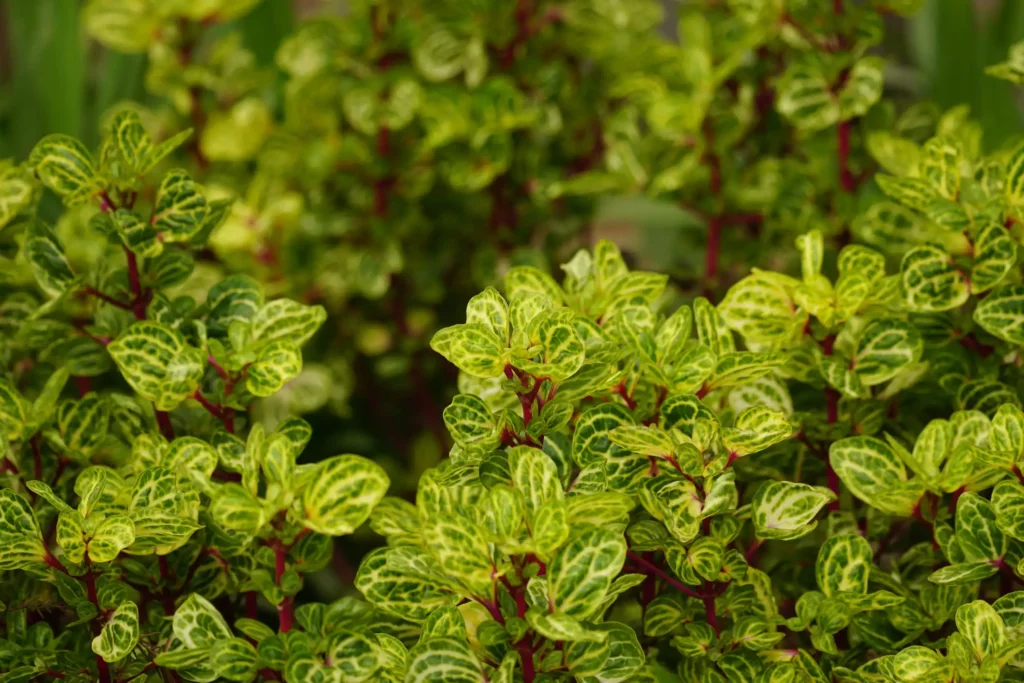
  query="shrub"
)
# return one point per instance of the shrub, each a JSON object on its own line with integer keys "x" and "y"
{"x": 175, "y": 506}
{"x": 816, "y": 478}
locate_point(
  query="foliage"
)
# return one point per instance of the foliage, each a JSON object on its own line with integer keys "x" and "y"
{"x": 810, "y": 473}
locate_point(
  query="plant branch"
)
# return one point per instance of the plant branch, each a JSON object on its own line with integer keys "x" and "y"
{"x": 652, "y": 568}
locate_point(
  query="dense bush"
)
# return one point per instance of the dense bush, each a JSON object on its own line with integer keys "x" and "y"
{"x": 817, "y": 478}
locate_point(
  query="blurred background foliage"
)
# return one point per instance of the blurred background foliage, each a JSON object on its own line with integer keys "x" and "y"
{"x": 954, "y": 38}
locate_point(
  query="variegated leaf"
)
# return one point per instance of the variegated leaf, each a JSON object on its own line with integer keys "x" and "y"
{"x": 342, "y": 494}
{"x": 786, "y": 510}
{"x": 120, "y": 634}
{"x": 158, "y": 363}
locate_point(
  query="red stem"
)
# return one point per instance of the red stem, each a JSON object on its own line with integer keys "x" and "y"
{"x": 620, "y": 389}
{"x": 522, "y": 18}
{"x": 715, "y": 221}
{"x": 90, "y": 587}
{"x": 163, "y": 419}
{"x": 139, "y": 302}
{"x": 54, "y": 562}
{"x": 165, "y": 576}
{"x": 752, "y": 550}
{"x": 252, "y": 605}
{"x": 84, "y": 385}
{"x": 652, "y": 568}
{"x": 649, "y": 589}
{"x": 846, "y": 179}
{"x": 284, "y": 610}
{"x": 711, "y": 255}
{"x": 92, "y": 291}
{"x": 709, "y": 607}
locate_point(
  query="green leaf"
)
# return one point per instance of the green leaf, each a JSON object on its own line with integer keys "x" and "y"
{"x": 760, "y": 307}
{"x": 527, "y": 279}
{"x": 236, "y": 298}
{"x": 20, "y": 536}
{"x": 915, "y": 193}
{"x": 786, "y": 510}
{"x": 940, "y": 165}
{"x": 582, "y": 571}
{"x": 983, "y": 628}
{"x": 131, "y": 143}
{"x": 399, "y": 593}
{"x": 84, "y": 423}
{"x": 562, "y": 627}
{"x": 474, "y": 349}
{"x": 71, "y": 535}
{"x": 284, "y": 319}
{"x": 756, "y": 429}
{"x": 535, "y": 476}
{"x": 49, "y": 265}
{"x": 444, "y": 659}
{"x": 490, "y": 310}
{"x": 561, "y": 349}
{"x": 884, "y": 349}
{"x": 469, "y": 420}
{"x": 341, "y": 495}
{"x": 277, "y": 363}
{"x": 872, "y": 471}
{"x": 158, "y": 363}
{"x": 198, "y": 624}
{"x": 977, "y": 533}
{"x": 235, "y": 508}
{"x": 742, "y": 367}
{"x": 1008, "y": 503}
{"x": 931, "y": 281}
{"x": 964, "y": 573}
{"x": 16, "y": 193}
{"x": 234, "y": 659}
{"x": 804, "y": 96}
{"x": 114, "y": 534}
{"x": 712, "y": 330}
{"x": 995, "y": 254}
{"x": 844, "y": 565}
{"x": 120, "y": 634}
{"x": 1014, "y": 186}
{"x": 1001, "y": 313}
{"x": 64, "y": 165}
{"x": 180, "y": 207}
{"x": 862, "y": 89}
{"x": 177, "y": 660}
{"x": 123, "y": 26}
{"x": 618, "y": 658}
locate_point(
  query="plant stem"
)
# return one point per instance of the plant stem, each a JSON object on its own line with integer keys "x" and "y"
{"x": 846, "y": 179}
{"x": 139, "y": 302}
{"x": 524, "y": 646}
{"x": 97, "y": 628}
{"x": 165, "y": 575}
{"x": 284, "y": 610}
{"x": 709, "y": 607}
{"x": 652, "y": 568}
{"x": 648, "y": 590}
{"x": 252, "y": 605}
{"x": 163, "y": 419}
{"x": 92, "y": 291}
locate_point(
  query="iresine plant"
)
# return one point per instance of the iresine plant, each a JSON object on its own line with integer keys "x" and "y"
{"x": 142, "y": 510}
{"x": 201, "y": 76}
{"x": 412, "y": 150}
{"x": 644, "y": 492}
